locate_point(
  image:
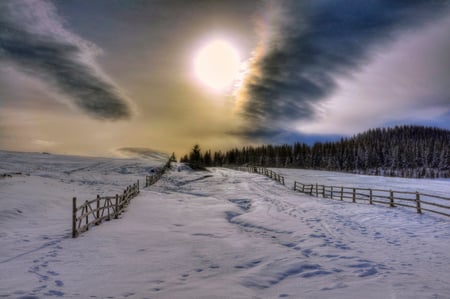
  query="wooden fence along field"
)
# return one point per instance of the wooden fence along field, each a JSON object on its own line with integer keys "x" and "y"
{"x": 105, "y": 208}
{"x": 264, "y": 171}
{"x": 415, "y": 200}
{"x": 93, "y": 212}
{"x": 151, "y": 179}
{"x": 419, "y": 201}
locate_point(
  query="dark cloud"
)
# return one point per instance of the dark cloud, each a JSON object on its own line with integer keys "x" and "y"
{"x": 311, "y": 43}
{"x": 59, "y": 62}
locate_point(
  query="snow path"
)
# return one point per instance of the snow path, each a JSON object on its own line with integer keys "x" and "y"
{"x": 225, "y": 234}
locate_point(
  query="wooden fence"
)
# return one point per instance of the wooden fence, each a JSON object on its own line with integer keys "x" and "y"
{"x": 94, "y": 212}
{"x": 264, "y": 171}
{"x": 418, "y": 201}
{"x": 151, "y": 179}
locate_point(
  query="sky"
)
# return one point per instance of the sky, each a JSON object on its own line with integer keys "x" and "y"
{"x": 92, "y": 77}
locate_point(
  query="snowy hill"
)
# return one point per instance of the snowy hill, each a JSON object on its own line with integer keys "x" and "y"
{"x": 216, "y": 234}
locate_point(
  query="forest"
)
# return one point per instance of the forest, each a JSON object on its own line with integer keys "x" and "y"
{"x": 403, "y": 151}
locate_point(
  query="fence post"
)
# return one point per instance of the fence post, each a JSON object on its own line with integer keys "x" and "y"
{"x": 295, "y": 185}
{"x": 117, "y": 207}
{"x": 74, "y": 217}
{"x": 282, "y": 179}
{"x": 354, "y": 195}
{"x": 138, "y": 186}
{"x": 331, "y": 192}
{"x": 342, "y": 193}
{"x": 391, "y": 199}
{"x": 419, "y": 209}
{"x": 323, "y": 191}
{"x": 97, "y": 215}
{"x": 87, "y": 216}
{"x": 370, "y": 197}
{"x": 317, "y": 190}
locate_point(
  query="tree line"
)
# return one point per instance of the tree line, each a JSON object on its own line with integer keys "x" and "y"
{"x": 405, "y": 151}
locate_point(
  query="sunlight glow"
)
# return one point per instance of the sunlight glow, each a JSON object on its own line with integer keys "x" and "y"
{"x": 217, "y": 65}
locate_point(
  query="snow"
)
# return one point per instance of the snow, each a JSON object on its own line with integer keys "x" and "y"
{"x": 432, "y": 186}
{"x": 214, "y": 234}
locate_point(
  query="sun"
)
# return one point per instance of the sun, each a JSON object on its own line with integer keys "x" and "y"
{"x": 216, "y": 65}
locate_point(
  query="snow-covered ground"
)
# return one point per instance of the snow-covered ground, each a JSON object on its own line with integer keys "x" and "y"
{"x": 216, "y": 234}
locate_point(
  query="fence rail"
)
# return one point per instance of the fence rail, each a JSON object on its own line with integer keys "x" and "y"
{"x": 94, "y": 212}
{"x": 264, "y": 171}
{"x": 151, "y": 179}
{"x": 415, "y": 200}
{"x": 104, "y": 208}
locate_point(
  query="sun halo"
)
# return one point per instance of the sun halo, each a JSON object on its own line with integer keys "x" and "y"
{"x": 217, "y": 65}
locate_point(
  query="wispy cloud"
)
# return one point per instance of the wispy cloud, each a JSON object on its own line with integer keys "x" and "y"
{"x": 408, "y": 83}
{"x": 307, "y": 45}
{"x": 32, "y": 37}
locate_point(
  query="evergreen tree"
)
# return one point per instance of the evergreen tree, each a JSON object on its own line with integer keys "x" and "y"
{"x": 195, "y": 157}
{"x": 411, "y": 151}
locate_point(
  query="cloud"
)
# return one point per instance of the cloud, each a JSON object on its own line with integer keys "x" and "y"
{"x": 306, "y": 46}
{"x": 44, "y": 143}
{"x": 407, "y": 83}
{"x": 33, "y": 38}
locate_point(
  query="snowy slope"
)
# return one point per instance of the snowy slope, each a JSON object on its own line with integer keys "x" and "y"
{"x": 216, "y": 234}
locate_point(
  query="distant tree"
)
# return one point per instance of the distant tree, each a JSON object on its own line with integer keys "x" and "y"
{"x": 207, "y": 158}
{"x": 218, "y": 158}
{"x": 411, "y": 151}
{"x": 184, "y": 159}
{"x": 196, "y": 155}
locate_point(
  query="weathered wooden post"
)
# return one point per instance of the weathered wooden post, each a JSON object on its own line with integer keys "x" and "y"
{"x": 391, "y": 199}
{"x": 354, "y": 195}
{"x": 317, "y": 190}
{"x": 342, "y": 193}
{"x": 331, "y": 192}
{"x": 74, "y": 217}
{"x": 138, "y": 186}
{"x": 323, "y": 191}
{"x": 116, "y": 210}
{"x": 97, "y": 214}
{"x": 419, "y": 208}
{"x": 370, "y": 197}
{"x": 282, "y": 178}
{"x": 87, "y": 215}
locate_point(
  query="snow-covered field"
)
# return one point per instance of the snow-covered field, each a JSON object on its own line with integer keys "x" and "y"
{"x": 432, "y": 186}
{"x": 216, "y": 234}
